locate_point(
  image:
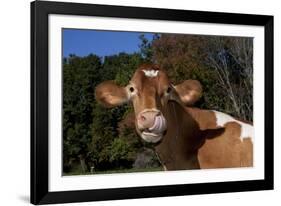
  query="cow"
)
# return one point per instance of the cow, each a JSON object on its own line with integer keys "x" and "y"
{"x": 184, "y": 137}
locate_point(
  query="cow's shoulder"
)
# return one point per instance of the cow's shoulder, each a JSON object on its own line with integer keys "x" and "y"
{"x": 212, "y": 120}
{"x": 206, "y": 119}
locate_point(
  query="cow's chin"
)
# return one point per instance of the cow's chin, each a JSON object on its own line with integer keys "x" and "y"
{"x": 151, "y": 137}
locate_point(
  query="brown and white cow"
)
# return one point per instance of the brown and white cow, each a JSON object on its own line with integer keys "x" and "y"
{"x": 185, "y": 137}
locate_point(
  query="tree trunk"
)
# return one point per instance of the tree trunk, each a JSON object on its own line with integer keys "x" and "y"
{"x": 83, "y": 164}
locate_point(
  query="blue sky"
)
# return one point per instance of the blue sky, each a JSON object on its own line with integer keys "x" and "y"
{"x": 101, "y": 43}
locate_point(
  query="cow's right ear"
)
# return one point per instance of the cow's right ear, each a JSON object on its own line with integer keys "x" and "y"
{"x": 109, "y": 94}
{"x": 189, "y": 91}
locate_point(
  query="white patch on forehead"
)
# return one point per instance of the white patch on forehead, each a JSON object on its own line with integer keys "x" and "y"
{"x": 247, "y": 130}
{"x": 150, "y": 73}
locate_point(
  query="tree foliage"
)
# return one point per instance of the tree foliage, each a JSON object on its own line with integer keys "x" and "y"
{"x": 79, "y": 77}
{"x": 222, "y": 64}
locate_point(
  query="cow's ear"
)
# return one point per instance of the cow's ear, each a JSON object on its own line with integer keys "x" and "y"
{"x": 109, "y": 94}
{"x": 189, "y": 91}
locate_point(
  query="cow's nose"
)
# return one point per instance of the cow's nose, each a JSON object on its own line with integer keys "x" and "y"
{"x": 146, "y": 119}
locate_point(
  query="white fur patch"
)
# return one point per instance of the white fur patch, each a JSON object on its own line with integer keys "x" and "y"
{"x": 151, "y": 137}
{"x": 247, "y": 130}
{"x": 150, "y": 73}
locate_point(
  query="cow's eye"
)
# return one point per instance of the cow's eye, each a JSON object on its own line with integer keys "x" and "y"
{"x": 131, "y": 89}
{"x": 169, "y": 90}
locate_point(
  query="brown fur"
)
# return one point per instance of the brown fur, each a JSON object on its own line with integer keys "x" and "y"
{"x": 226, "y": 150}
{"x": 198, "y": 143}
{"x": 110, "y": 94}
{"x": 193, "y": 90}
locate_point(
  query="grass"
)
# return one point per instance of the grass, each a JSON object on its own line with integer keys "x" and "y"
{"x": 114, "y": 171}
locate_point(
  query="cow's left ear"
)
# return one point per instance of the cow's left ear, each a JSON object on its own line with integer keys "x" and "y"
{"x": 109, "y": 94}
{"x": 189, "y": 91}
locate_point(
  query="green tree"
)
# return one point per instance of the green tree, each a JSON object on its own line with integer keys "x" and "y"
{"x": 79, "y": 78}
{"x": 145, "y": 46}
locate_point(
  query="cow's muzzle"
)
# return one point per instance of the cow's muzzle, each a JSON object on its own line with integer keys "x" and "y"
{"x": 151, "y": 125}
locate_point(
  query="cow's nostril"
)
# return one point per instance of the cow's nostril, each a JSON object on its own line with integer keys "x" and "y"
{"x": 147, "y": 119}
{"x": 142, "y": 118}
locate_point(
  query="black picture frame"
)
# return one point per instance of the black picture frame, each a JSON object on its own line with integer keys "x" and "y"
{"x": 39, "y": 102}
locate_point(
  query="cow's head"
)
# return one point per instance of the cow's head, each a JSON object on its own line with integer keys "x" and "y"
{"x": 149, "y": 90}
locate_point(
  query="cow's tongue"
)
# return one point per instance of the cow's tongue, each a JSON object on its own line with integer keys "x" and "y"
{"x": 159, "y": 124}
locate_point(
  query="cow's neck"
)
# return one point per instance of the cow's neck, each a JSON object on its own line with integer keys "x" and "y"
{"x": 178, "y": 149}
